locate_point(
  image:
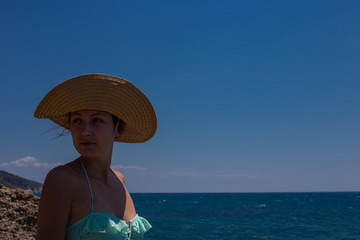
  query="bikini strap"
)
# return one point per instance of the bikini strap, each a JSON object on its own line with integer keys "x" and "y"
{"x": 91, "y": 193}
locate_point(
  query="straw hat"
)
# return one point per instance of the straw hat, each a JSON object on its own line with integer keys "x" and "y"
{"x": 103, "y": 93}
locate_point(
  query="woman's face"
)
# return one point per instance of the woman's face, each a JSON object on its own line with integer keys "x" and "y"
{"x": 92, "y": 132}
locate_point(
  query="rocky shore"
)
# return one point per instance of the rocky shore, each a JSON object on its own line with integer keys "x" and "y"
{"x": 18, "y": 214}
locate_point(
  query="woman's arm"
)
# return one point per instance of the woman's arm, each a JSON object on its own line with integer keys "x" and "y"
{"x": 55, "y": 204}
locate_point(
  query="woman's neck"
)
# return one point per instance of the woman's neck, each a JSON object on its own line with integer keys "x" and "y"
{"x": 97, "y": 168}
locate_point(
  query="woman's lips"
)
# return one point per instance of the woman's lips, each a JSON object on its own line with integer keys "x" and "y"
{"x": 87, "y": 143}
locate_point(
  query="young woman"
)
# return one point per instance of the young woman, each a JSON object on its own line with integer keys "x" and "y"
{"x": 86, "y": 199}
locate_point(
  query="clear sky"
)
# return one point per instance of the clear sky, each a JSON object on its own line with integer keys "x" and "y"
{"x": 251, "y": 96}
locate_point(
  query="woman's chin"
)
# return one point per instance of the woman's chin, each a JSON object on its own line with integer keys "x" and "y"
{"x": 88, "y": 154}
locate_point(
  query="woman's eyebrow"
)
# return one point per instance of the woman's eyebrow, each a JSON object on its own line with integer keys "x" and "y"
{"x": 93, "y": 114}
{"x": 96, "y": 114}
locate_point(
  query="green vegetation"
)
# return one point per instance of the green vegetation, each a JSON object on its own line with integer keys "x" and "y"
{"x": 12, "y": 181}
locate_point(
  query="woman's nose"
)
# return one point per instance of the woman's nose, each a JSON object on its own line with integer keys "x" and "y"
{"x": 86, "y": 129}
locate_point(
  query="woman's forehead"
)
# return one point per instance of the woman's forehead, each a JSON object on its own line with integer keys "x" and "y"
{"x": 90, "y": 113}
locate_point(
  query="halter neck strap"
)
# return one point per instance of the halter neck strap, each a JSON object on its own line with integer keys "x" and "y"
{"x": 91, "y": 193}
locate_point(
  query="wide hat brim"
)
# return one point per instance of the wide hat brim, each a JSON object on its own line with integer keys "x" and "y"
{"x": 103, "y": 93}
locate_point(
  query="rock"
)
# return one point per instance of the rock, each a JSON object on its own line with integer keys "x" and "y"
{"x": 18, "y": 214}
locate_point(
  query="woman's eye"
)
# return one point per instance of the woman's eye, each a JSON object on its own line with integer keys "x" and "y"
{"x": 97, "y": 120}
{"x": 76, "y": 121}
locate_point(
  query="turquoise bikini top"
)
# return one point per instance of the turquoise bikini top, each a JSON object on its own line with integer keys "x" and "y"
{"x": 97, "y": 225}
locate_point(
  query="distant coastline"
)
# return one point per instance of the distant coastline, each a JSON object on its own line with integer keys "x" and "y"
{"x": 13, "y": 181}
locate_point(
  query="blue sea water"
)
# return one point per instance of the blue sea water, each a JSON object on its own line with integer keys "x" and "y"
{"x": 230, "y": 216}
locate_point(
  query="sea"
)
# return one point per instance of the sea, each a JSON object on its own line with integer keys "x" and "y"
{"x": 233, "y": 216}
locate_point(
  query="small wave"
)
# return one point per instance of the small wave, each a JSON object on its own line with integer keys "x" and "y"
{"x": 261, "y": 205}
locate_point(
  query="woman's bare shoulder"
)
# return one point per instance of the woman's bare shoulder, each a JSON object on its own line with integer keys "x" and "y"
{"x": 63, "y": 177}
{"x": 120, "y": 176}
{"x": 61, "y": 173}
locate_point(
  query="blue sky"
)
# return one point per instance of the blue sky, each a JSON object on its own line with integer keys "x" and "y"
{"x": 251, "y": 96}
